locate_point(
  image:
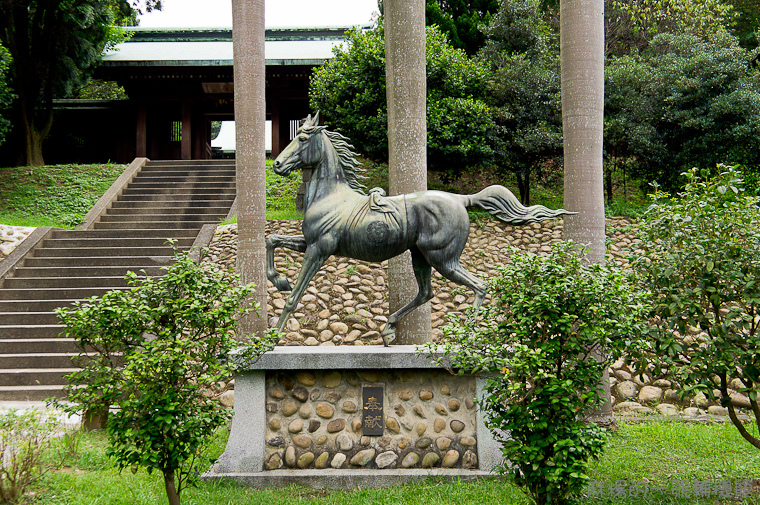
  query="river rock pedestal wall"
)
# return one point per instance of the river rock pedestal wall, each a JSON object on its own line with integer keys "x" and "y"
{"x": 299, "y": 418}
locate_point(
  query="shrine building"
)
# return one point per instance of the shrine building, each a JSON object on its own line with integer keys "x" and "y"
{"x": 178, "y": 81}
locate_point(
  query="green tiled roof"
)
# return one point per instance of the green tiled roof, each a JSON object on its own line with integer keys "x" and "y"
{"x": 213, "y": 47}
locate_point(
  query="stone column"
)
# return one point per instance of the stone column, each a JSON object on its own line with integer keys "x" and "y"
{"x": 141, "y": 133}
{"x": 406, "y": 93}
{"x": 250, "y": 122}
{"x": 186, "y": 144}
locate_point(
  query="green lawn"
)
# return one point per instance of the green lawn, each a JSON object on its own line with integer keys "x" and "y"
{"x": 59, "y": 195}
{"x": 650, "y": 453}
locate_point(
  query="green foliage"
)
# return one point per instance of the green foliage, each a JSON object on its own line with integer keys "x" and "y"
{"x": 281, "y": 191}
{"x": 25, "y": 437}
{"x": 461, "y": 20}
{"x": 534, "y": 342}
{"x": 685, "y": 102}
{"x": 674, "y": 16}
{"x": 699, "y": 260}
{"x": 630, "y": 25}
{"x": 523, "y": 89}
{"x": 747, "y": 21}
{"x": 663, "y": 452}
{"x": 54, "y": 47}
{"x": 96, "y": 89}
{"x": 350, "y": 93}
{"x": 6, "y": 93}
{"x": 52, "y": 195}
{"x": 152, "y": 352}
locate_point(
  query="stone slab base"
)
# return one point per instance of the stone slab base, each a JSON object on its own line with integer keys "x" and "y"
{"x": 297, "y": 414}
{"x": 338, "y": 479}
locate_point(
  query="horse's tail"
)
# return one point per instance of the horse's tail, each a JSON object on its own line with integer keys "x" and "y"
{"x": 503, "y": 205}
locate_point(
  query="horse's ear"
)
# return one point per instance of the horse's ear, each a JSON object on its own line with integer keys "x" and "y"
{"x": 315, "y": 121}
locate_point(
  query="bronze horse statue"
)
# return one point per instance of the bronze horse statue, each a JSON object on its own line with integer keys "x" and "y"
{"x": 341, "y": 218}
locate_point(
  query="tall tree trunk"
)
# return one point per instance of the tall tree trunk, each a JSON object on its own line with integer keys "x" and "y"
{"x": 34, "y": 134}
{"x": 171, "y": 488}
{"x": 582, "y": 67}
{"x": 250, "y": 157}
{"x": 523, "y": 186}
{"x": 406, "y": 94}
{"x": 608, "y": 180}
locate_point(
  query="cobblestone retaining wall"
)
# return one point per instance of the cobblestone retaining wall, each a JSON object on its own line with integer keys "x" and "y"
{"x": 314, "y": 420}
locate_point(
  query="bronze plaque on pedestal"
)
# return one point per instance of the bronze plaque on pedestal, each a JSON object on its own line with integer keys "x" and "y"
{"x": 373, "y": 420}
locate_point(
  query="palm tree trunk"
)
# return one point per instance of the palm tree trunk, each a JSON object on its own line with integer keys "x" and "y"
{"x": 406, "y": 93}
{"x": 250, "y": 120}
{"x": 582, "y": 67}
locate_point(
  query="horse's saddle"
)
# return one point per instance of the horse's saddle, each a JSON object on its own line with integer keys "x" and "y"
{"x": 378, "y": 222}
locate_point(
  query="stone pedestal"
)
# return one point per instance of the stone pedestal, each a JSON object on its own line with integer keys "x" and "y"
{"x": 298, "y": 418}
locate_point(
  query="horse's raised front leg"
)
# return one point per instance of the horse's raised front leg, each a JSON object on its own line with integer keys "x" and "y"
{"x": 422, "y": 273}
{"x": 294, "y": 242}
{"x": 312, "y": 261}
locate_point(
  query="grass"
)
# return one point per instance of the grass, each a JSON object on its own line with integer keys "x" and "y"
{"x": 59, "y": 195}
{"x": 660, "y": 452}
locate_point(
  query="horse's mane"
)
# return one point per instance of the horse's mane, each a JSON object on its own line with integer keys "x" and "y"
{"x": 351, "y": 167}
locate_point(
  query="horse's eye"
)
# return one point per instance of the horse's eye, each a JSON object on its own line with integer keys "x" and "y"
{"x": 303, "y": 139}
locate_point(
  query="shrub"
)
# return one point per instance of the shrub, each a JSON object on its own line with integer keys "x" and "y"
{"x": 700, "y": 261}
{"x": 160, "y": 346}
{"x": 534, "y": 341}
{"x": 25, "y": 437}
{"x": 349, "y": 91}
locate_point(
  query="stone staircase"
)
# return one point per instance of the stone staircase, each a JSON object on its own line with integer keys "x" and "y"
{"x": 165, "y": 199}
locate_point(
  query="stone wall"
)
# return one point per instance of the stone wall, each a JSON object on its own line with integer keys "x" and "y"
{"x": 314, "y": 420}
{"x": 11, "y": 237}
{"x": 346, "y": 303}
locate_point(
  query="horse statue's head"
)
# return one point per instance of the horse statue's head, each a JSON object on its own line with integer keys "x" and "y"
{"x": 308, "y": 150}
{"x": 304, "y": 151}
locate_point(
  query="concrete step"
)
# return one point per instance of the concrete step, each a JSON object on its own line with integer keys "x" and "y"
{"x": 201, "y": 164}
{"x": 184, "y": 175}
{"x": 30, "y": 331}
{"x": 40, "y": 345}
{"x": 64, "y": 282}
{"x": 54, "y": 293}
{"x": 34, "y": 376}
{"x": 32, "y": 306}
{"x": 175, "y": 217}
{"x": 39, "y": 360}
{"x": 169, "y": 212}
{"x": 88, "y": 271}
{"x": 30, "y": 393}
{"x": 103, "y": 243}
{"x": 98, "y": 261}
{"x": 83, "y": 252}
{"x": 20, "y": 318}
{"x": 188, "y": 185}
{"x": 115, "y": 225}
{"x": 174, "y": 200}
{"x": 168, "y": 204}
{"x": 166, "y": 199}
{"x": 179, "y": 191}
{"x": 134, "y": 233}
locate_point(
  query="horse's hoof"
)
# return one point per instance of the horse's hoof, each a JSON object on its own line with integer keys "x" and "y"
{"x": 389, "y": 335}
{"x": 282, "y": 284}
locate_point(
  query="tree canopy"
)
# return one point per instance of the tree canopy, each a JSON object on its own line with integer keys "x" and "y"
{"x": 461, "y": 20}
{"x": 522, "y": 54}
{"x": 350, "y": 93}
{"x": 686, "y": 102}
{"x": 54, "y": 46}
{"x": 6, "y": 93}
